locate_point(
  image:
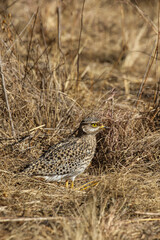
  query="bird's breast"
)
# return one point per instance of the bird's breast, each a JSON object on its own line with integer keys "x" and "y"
{"x": 90, "y": 143}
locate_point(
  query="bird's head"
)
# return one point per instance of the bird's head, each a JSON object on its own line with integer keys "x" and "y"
{"x": 90, "y": 126}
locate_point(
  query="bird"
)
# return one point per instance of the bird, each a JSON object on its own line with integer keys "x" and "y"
{"x": 67, "y": 159}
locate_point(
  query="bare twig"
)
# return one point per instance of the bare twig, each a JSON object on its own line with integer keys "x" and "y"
{"x": 148, "y": 213}
{"x": 59, "y": 27}
{"x": 157, "y": 91}
{"x": 9, "y": 50}
{"x": 30, "y": 43}
{"x": 144, "y": 16}
{"x": 149, "y": 65}
{"x": 6, "y": 98}
{"x": 29, "y": 219}
{"x": 79, "y": 42}
{"x": 33, "y": 129}
{"x": 154, "y": 49}
{"x": 3, "y": 10}
{"x": 142, "y": 220}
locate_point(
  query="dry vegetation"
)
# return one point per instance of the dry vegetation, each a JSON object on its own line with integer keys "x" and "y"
{"x": 106, "y": 64}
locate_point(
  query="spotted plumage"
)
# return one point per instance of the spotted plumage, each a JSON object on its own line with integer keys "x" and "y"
{"x": 68, "y": 158}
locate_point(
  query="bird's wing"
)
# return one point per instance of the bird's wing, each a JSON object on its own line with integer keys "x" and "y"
{"x": 60, "y": 148}
{"x": 56, "y": 157}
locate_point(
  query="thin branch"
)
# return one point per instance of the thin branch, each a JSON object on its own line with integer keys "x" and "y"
{"x": 33, "y": 129}
{"x": 9, "y": 50}
{"x": 79, "y": 43}
{"x": 157, "y": 91}
{"x": 148, "y": 213}
{"x": 8, "y": 6}
{"x": 142, "y": 220}
{"x": 149, "y": 65}
{"x": 29, "y": 45}
{"x": 6, "y": 98}
{"x": 59, "y": 26}
{"x": 144, "y": 16}
{"x": 28, "y": 219}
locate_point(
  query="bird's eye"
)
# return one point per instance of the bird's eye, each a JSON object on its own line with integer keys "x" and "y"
{"x": 94, "y": 124}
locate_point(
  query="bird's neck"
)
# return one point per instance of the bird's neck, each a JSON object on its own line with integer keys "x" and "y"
{"x": 90, "y": 140}
{"x": 81, "y": 133}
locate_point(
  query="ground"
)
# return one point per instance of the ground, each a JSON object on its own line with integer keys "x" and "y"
{"x": 61, "y": 61}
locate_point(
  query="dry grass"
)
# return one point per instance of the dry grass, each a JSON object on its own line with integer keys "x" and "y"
{"x": 111, "y": 70}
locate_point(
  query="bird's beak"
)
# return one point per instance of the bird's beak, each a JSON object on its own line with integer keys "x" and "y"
{"x": 102, "y": 126}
